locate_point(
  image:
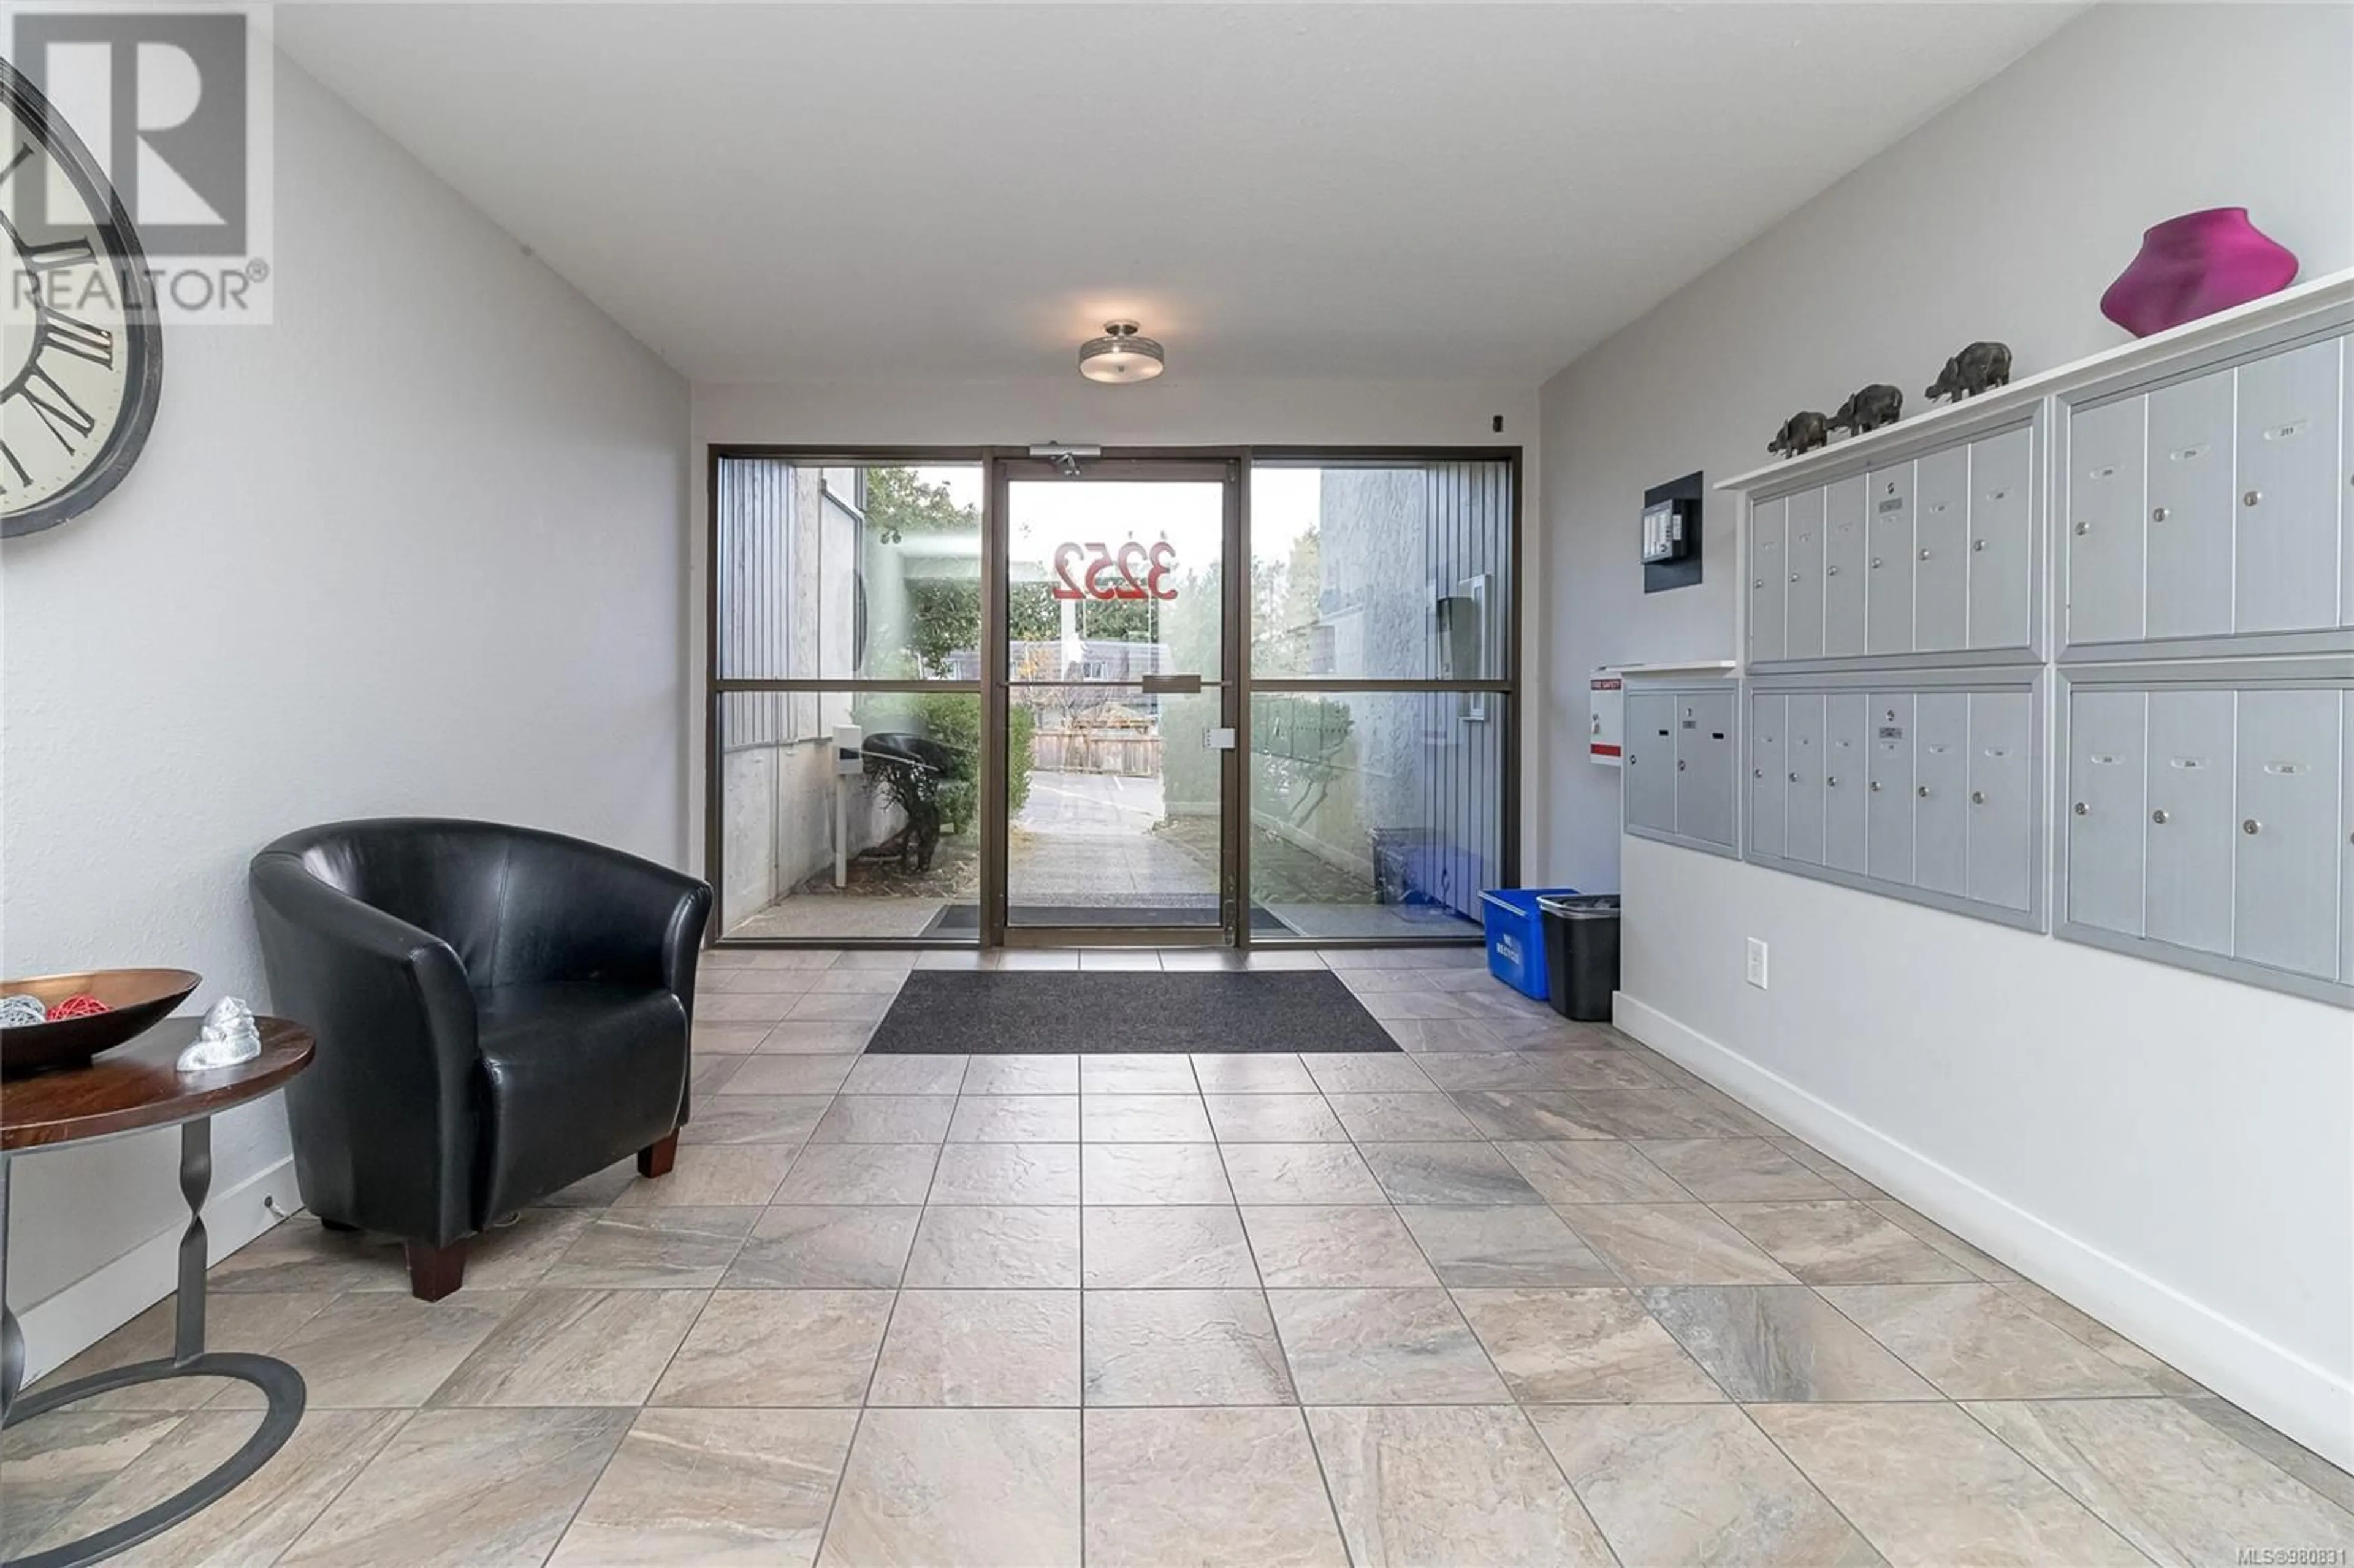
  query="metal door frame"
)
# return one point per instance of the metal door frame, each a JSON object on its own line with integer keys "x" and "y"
{"x": 996, "y": 462}
{"x": 1225, "y": 466}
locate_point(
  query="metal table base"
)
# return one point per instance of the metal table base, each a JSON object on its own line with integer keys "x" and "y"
{"x": 281, "y": 1384}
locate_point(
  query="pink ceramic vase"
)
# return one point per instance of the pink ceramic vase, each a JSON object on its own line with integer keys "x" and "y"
{"x": 2193, "y": 266}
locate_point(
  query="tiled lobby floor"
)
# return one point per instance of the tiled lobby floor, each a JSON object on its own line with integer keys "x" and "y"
{"x": 1526, "y": 1295}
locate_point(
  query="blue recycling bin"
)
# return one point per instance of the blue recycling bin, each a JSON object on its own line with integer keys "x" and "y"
{"x": 1516, "y": 953}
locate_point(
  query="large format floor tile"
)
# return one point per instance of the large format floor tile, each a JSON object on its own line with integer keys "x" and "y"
{"x": 374, "y": 1349}
{"x": 1696, "y": 1484}
{"x": 1560, "y": 1347}
{"x": 1446, "y": 1173}
{"x": 652, "y": 1249}
{"x": 254, "y": 1523}
{"x": 1258, "y": 1072}
{"x": 854, "y": 1246}
{"x": 886, "y": 1118}
{"x": 1237, "y": 1485}
{"x": 1001, "y": 1247}
{"x": 1383, "y": 1347}
{"x": 993, "y": 1488}
{"x": 465, "y": 1488}
{"x": 1928, "y": 1485}
{"x": 1672, "y": 1244}
{"x": 715, "y": 1175}
{"x": 1524, "y": 1293}
{"x": 2083, "y": 1327}
{"x": 1007, "y": 1173}
{"x": 1592, "y": 1172}
{"x": 746, "y": 1488}
{"x": 1136, "y": 1073}
{"x": 256, "y": 1321}
{"x": 1840, "y": 1243}
{"x": 1149, "y": 1245}
{"x": 815, "y": 1037}
{"x": 1976, "y": 1342}
{"x": 1527, "y": 1114}
{"x": 2169, "y": 1483}
{"x": 1141, "y": 1118}
{"x": 1040, "y": 1075}
{"x": 1418, "y": 1487}
{"x": 783, "y": 1076}
{"x": 1778, "y": 1343}
{"x": 1308, "y": 1245}
{"x": 777, "y": 1348}
{"x": 1402, "y": 1119}
{"x": 2292, "y": 1456}
{"x": 1350, "y": 1073}
{"x": 49, "y": 1466}
{"x": 1015, "y": 1119}
{"x": 905, "y": 1076}
{"x": 576, "y": 1347}
{"x": 1152, "y": 1173}
{"x": 1733, "y": 1169}
{"x": 861, "y": 1173}
{"x": 1265, "y": 1174}
{"x": 1503, "y": 1245}
{"x": 980, "y": 1347}
{"x": 754, "y": 1118}
{"x": 1182, "y": 1347}
{"x": 302, "y": 1256}
{"x": 1275, "y": 1119}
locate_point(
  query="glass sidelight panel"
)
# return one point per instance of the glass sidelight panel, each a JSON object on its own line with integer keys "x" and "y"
{"x": 1375, "y": 813}
{"x": 1381, "y": 571}
{"x": 846, "y": 572}
{"x": 1380, "y": 713}
{"x": 842, "y": 812}
{"x": 849, "y": 814}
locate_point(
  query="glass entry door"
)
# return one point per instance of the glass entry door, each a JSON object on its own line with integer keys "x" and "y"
{"x": 1115, "y": 703}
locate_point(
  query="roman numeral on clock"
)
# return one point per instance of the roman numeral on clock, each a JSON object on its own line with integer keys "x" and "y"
{"x": 73, "y": 335}
{"x": 67, "y": 419}
{"x": 63, "y": 253}
{"x": 14, "y": 467}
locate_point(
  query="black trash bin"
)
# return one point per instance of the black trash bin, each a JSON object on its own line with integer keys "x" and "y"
{"x": 1580, "y": 954}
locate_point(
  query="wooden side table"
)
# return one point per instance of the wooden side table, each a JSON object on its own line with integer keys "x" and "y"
{"x": 135, "y": 1089}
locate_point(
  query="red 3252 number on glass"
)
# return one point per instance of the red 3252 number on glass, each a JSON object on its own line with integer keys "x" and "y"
{"x": 1133, "y": 571}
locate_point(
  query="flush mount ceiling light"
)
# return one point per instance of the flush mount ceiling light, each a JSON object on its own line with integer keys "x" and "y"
{"x": 1119, "y": 356}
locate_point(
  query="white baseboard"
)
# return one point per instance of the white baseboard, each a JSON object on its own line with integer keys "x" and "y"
{"x": 2307, "y": 1402}
{"x": 69, "y": 1322}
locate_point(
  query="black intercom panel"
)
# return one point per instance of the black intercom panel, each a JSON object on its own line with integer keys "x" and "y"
{"x": 1671, "y": 534}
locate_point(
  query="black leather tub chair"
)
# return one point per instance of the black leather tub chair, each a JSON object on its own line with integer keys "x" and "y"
{"x": 500, "y": 1012}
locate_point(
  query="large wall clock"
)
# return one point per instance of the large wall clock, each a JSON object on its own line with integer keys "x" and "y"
{"x": 81, "y": 354}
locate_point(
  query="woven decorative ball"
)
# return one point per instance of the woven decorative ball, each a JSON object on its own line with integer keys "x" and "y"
{"x": 21, "y": 1009}
{"x": 82, "y": 1006}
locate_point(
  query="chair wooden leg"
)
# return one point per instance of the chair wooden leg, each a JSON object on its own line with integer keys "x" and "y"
{"x": 655, "y": 1158}
{"x": 435, "y": 1271}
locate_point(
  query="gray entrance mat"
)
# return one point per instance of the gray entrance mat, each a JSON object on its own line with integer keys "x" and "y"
{"x": 960, "y": 919}
{"x": 951, "y": 1012}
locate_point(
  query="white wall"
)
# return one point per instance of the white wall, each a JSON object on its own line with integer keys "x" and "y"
{"x": 1175, "y": 411}
{"x": 418, "y": 547}
{"x": 2173, "y": 1152}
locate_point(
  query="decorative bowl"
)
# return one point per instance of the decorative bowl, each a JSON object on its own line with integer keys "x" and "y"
{"x": 138, "y": 999}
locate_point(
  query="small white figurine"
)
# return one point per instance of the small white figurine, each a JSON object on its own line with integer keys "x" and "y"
{"x": 228, "y": 1037}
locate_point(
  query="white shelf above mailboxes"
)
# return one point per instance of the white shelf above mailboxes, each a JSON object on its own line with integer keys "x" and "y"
{"x": 2151, "y": 354}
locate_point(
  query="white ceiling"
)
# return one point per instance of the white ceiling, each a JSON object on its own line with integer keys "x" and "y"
{"x": 795, "y": 193}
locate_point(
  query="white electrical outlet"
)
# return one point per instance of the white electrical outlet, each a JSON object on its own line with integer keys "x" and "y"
{"x": 1757, "y": 963}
